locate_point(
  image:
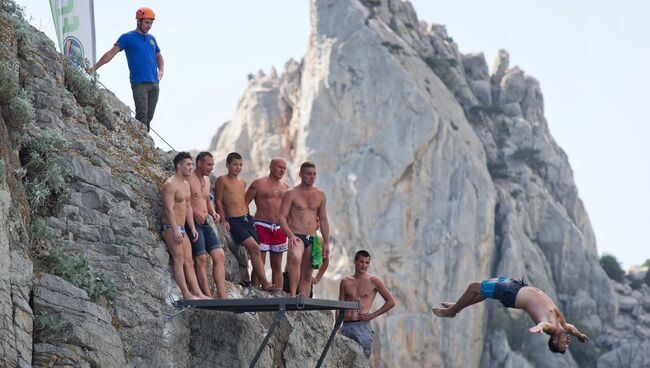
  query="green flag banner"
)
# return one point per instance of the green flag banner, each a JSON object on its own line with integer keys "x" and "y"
{"x": 74, "y": 21}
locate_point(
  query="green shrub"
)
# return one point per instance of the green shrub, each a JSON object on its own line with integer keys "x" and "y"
{"x": 103, "y": 286}
{"x": 87, "y": 93}
{"x": 612, "y": 268}
{"x": 39, "y": 231}
{"x": 9, "y": 87}
{"x": 47, "y": 182}
{"x": 50, "y": 327}
{"x": 21, "y": 112}
{"x": 530, "y": 156}
{"x": 10, "y": 8}
{"x": 443, "y": 68}
{"x": 76, "y": 269}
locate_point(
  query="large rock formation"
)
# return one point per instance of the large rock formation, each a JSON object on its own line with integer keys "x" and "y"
{"x": 446, "y": 172}
{"x": 84, "y": 277}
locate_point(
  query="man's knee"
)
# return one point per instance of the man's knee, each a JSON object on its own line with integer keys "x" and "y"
{"x": 218, "y": 256}
{"x": 475, "y": 287}
{"x": 201, "y": 261}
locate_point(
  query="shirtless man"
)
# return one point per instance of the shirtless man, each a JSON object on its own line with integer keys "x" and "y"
{"x": 178, "y": 212}
{"x": 517, "y": 294}
{"x": 207, "y": 242}
{"x": 267, "y": 192}
{"x": 301, "y": 212}
{"x": 231, "y": 206}
{"x": 364, "y": 287}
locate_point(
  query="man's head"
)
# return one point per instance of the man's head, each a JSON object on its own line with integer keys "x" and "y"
{"x": 204, "y": 163}
{"x": 559, "y": 342}
{"x": 308, "y": 173}
{"x": 144, "y": 18}
{"x": 183, "y": 163}
{"x": 234, "y": 163}
{"x": 361, "y": 261}
{"x": 277, "y": 168}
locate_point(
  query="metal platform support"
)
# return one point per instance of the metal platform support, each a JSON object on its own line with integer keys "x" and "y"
{"x": 278, "y": 316}
{"x": 278, "y": 305}
{"x": 338, "y": 323}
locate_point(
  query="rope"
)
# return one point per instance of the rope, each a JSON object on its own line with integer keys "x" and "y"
{"x": 133, "y": 112}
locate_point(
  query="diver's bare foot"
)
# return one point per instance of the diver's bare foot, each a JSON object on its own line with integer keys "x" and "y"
{"x": 191, "y": 297}
{"x": 203, "y": 297}
{"x": 447, "y": 304}
{"x": 444, "y": 312}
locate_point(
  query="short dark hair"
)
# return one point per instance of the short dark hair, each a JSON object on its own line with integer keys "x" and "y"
{"x": 361, "y": 253}
{"x": 552, "y": 347}
{"x": 202, "y": 155}
{"x": 307, "y": 164}
{"x": 180, "y": 157}
{"x": 232, "y": 156}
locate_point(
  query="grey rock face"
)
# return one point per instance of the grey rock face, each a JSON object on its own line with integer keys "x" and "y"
{"x": 403, "y": 128}
{"x": 91, "y": 328}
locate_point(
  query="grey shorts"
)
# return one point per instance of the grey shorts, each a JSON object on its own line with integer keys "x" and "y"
{"x": 360, "y": 332}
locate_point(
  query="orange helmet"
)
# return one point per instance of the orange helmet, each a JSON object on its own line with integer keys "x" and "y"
{"x": 145, "y": 13}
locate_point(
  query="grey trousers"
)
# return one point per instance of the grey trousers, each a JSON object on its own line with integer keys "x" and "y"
{"x": 145, "y": 97}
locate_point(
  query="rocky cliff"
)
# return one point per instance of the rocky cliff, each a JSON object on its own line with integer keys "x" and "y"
{"x": 84, "y": 277}
{"x": 447, "y": 172}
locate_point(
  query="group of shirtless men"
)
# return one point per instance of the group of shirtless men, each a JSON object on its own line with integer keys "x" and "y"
{"x": 287, "y": 220}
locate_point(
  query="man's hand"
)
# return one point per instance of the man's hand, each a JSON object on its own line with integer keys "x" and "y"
{"x": 215, "y": 217}
{"x": 365, "y": 317}
{"x": 160, "y": 74}
{"x": 294, "y": 242}
{"x": 90, "y": 69}
{"x": 536, "y": 329}
{"x": 199, "y": 218}
{"x": 195, "y": 235}
{"x": 225, "y": 224}
{"x": 178, "y": 237}
{"x": 583, "y": 338}
{"x": 326, "y": 250}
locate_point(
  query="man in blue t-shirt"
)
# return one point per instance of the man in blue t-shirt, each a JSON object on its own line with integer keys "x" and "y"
{"x": 146, "y": 65}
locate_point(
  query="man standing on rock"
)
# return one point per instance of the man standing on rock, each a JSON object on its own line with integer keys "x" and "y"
{"x": 178, "y": 212}
{"x": 362, "y": 286}
{"x": 146, "y": 64}
{"x": 301, "y": 212}
{"x": 231, "y": 206}
{"x": 517, "y": 294}
{"x": 207, "y": 241}
{"x": 267, "y": 192}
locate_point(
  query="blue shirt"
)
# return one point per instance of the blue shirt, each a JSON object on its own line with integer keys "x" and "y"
{"x": 141, "y": 50}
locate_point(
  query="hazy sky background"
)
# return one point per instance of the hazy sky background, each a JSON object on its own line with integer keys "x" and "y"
{"x": 592, "y": 59}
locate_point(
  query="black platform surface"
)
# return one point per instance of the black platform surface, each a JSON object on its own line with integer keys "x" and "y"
{"x": 267, "y": 304}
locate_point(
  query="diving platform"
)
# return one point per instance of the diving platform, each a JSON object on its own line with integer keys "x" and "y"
{"x": 278, "y": 305}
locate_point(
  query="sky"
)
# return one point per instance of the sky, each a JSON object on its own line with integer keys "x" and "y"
{"x": 590, "y": 56}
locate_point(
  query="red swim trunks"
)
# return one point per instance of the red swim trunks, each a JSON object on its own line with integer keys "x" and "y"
{"x": 272, "y": 238}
